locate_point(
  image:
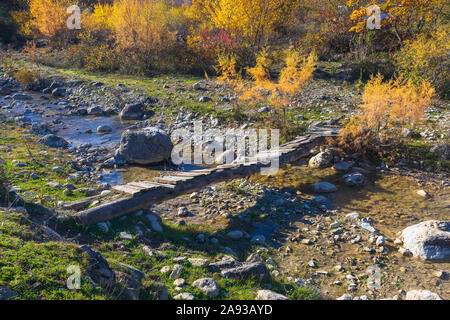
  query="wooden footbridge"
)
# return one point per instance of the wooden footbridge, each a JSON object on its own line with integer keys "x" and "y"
{"x": 141, "y": 194}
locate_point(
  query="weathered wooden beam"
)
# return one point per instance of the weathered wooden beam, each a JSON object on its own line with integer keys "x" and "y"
{"x": 128, "y": 189}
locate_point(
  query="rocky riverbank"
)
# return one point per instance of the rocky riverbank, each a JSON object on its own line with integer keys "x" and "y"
{"x": 335, "y": 227}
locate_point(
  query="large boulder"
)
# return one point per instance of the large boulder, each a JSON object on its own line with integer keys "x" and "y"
{"x": 53, "y": 141}
{"x": 132, "y": 112}
{"x": 247, "y": 270}
{"x": 147, "y": 146}
{"x": 428, "y": 240}
{"x": 422, "y": 295}
{"x": 320, "y": 160}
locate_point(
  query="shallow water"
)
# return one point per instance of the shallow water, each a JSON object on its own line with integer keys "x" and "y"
{"x": 390, "y": 200}
{"x": 77, "y": 130}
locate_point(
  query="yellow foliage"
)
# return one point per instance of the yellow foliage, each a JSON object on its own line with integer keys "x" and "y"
{"x": 387, "y": 107}
{"x": 393, "y": 103}
{"x": 249, "y": 20}
{"x": 293, "y": 78}
{"x": 261, "y": 72}
{"x": 400, "y": 14}
{"x": 100, "y": 19}
{"x": 49, "y": 17}
{"x": 427, "y": 58}
{"x": 25, "y": 76}
{"x": 227, "y": 70}
{"x": 141, "y": 25}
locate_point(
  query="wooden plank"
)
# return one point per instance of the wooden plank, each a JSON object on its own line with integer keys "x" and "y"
{"x": 127, "y": 189}
{"x": 143, "y": 185}
{"x": 167, "y": 180}
{"x": 231, "y": 165}
{"x": 178, "y": 178}
{"x": 189, "y": 174}
{"x": 162, "y": 185}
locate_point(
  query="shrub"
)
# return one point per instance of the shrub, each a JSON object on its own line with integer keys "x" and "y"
{"x": 251, "y": 21}
{"x": 297, "y": 71}
{"x": 25, "y": 76}
{"x": 47, "y": 18}
{"x": 141, "y": 30}
{"x": 427, "y": 58}
{"x": 388, "y": 106}
{"x": 403, "y": 18}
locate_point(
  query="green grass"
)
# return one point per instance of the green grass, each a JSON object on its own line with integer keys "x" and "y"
{"x": 38, "y": 270}
{"x": 39, "y": 160}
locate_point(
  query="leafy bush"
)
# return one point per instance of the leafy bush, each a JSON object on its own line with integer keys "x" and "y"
{"x": 388, "y": 106}
{"x": 25, "y": 76}
{"x": 427, "y": 58}
{"x": 45, "y": 18}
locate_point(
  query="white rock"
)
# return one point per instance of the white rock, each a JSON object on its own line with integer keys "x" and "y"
{"x": 176, "y": 272}
{"x": 428, "y": 240}
{"x": 422, "y": 193}
{"x": 352, "y": 216}
{"x": 184, "y": 296}
{"x": 270, "y": 295}
{"x": 125, "y": 236}
{"x": 345, "y": 296}
{"x": 422, "y": 295}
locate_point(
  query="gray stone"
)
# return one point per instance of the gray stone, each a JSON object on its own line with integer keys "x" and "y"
{"x": 352, "y": 216}
{"x": 176, "y": 271}
{"x": 199, "y": 262}
{"x": 53, "y": 141}
{"x": 204, "y": 99}
{"x": 59, "y": 92}
{"x": 95, "y": 111}
{"x": 324, "y": 187}
{"x": 422, "y": 295}
{"x": 147, "y": 146}
{"x": 184, "y": 296}
{"x": 98, "y": 268}
{"x": 342, "y": 165}
{"x": 247, "y": 270}
{"x": 235, "y": 235}
{"x": 155, "y": 222}
{"x": 21, "y": 96}
{"x": 125, "y": 236}
{"x": 132, "y": 112}
{"x": 103, "y": 226}
{"x": 320, "y": 160}
{"x": 270, "y": 295}
{"x": 207, "y": 285}
{"x": 428, "y": 240}
{"x": 354, "y": 179}
{"x": 7, "y": 294}
{"x": 104, "y": 129}
{"x": 345, "y": 296}
{"x": 183, "y": 212}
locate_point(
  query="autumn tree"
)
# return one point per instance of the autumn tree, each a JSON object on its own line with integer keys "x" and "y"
{"x": 297, "y": 72}
{"x": 252, "y": 21}
{"x": 404, "y": 17}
